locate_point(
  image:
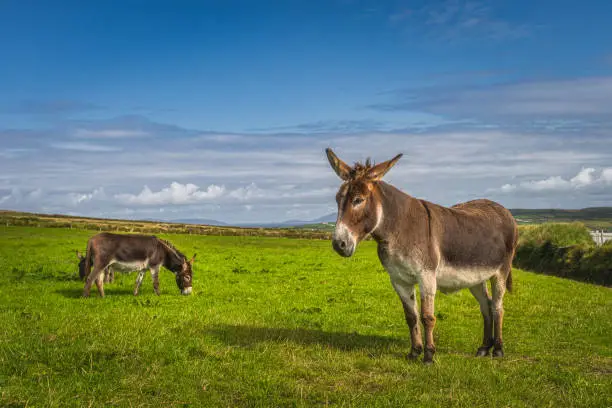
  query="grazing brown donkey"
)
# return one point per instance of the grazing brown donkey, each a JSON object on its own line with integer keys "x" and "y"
{"x": 134, "y": 252}
{"x": 436, "y": 247}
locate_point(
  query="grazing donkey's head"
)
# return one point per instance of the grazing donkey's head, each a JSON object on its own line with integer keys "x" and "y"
{"x": 184, "y": 276}
{"x": 359, "y": 203}
{"x": 179, "y": 264}
{"x": 82, "y": 271}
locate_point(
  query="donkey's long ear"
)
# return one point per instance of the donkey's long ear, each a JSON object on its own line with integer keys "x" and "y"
{"x": 378, "y": 171}
{"x": 192, "y": 258}
{"x": 341, "y": 168}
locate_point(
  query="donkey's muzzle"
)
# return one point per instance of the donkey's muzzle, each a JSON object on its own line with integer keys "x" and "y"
{"x": 343, "y": 247}
{"x": 186, "y": 291}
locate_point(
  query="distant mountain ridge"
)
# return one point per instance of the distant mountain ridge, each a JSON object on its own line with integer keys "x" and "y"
{"x": 281, "y": 224}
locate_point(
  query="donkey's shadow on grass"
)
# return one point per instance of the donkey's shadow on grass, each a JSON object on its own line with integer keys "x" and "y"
{"x": 74, "y": 293}
{"x": 249, "y": 336}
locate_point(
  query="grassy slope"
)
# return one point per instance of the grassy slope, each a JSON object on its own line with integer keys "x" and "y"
{"x": 281, "y": 322}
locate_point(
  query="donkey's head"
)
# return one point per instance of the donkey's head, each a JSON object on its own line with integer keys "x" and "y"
{"x": 82, "y": 271}
{"x": 359, "y": 202}
{"x": 184, "y": 275}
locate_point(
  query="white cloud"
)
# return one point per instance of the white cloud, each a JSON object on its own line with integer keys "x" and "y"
{"x": 85, "y": 147}
{"x": 272, "y": 172}
{"x": 177, "y": 193}
{"x": 247, "y": 193}
{"x": 79, "y": 198}
{"x": 453, "y": 20}
{"x": 109, "y": 133}
{"x": 568, "y": 101}
{"x": 584, "y": 179}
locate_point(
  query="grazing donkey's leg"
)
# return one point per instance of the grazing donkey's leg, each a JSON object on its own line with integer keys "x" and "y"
{"x": 139, "y": 278}
{"x": 498, "y": 286}
{"x": 428, "y": 293}
{"x": 93, "y": 276}
{"x": 407, "y": 294}
{"x": 109, "y": 274}
{"x": 155, "y": 276}
{"x": 481, "y": 294}
{"x": 100, "y": 283}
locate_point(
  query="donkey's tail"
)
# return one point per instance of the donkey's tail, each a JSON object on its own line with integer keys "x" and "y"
{"x": 515, "y": 239}
{"x": 509, "y": 281}
{"x": 88, "y": 256}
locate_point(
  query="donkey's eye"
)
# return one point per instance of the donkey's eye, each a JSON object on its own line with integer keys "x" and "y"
{"x": 357, "y": 201}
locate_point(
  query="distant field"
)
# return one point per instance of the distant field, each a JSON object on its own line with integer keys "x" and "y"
{"x": 281, "y": 322}
{"x": 594, "y": 218}
{"x": 13, "y": 218}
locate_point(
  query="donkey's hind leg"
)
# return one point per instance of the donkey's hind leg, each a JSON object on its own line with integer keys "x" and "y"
{"x": 481, "y": 294}
{"x": 93, "y": 276}
{"x": 155, "y": 276}
{"x": 498, "y": 287}
{"x": 100, "y": 283}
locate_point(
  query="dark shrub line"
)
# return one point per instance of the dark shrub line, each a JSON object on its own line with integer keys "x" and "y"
{"x": 563, "y": 250}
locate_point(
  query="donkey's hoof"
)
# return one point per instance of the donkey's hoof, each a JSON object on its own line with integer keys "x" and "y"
{"x": 498, "y": 353}
{"x": 482, "y": 352}
{"x": 414, "y": 354}
{"x": 428, "y": 357}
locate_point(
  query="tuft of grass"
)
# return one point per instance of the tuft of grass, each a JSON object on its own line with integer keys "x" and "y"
{"x": 304, "y": 327}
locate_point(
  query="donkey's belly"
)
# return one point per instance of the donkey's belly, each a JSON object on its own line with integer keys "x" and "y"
{"x": 450, "y": 279}
{"x": 129, "y": 266}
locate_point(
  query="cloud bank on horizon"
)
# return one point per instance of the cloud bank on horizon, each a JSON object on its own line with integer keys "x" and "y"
{"x": 173, "y": 115}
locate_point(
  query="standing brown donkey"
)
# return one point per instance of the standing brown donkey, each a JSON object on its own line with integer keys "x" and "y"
{"x": 436, "y": 247}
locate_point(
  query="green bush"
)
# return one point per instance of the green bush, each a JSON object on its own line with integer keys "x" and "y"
{"x": 558, "y": 234}
{"x": 563, "y": 250}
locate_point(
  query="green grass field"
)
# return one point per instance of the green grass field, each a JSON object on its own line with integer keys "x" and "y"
{"x": 281, "y": 322}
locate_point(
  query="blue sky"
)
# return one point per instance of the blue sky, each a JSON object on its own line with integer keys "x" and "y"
{"x": 222, "y": 109}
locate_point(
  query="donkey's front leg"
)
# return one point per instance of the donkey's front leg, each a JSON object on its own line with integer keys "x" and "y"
{"x": 428, "y": 294}
{"x": 407, "y": 294}
{"x": 139, "y": 278}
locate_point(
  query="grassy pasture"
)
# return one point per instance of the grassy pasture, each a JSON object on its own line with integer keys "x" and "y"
{"x": 281, "y": 322}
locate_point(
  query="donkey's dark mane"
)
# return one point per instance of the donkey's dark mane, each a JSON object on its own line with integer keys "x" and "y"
{"x": 360, "y": 170}
{"x": 173, "y": 249}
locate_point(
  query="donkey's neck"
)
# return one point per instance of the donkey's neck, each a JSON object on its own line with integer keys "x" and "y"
{"x": 172, "y": 260}
{"x": 400, "y": 211}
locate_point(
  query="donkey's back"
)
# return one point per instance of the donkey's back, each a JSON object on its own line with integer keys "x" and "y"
{"x": 475, "y": 234}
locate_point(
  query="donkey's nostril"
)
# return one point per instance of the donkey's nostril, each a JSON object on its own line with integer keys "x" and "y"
{"x": 342, "y": 244}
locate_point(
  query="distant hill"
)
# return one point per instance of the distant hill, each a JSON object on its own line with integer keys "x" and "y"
{"x": 200, "y": 221}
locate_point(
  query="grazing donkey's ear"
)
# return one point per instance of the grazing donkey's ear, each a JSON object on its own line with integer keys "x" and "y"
{"x": 192, "y": 258}
{"x": 378, "y": 171}
{"x": 341, "y": 168}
